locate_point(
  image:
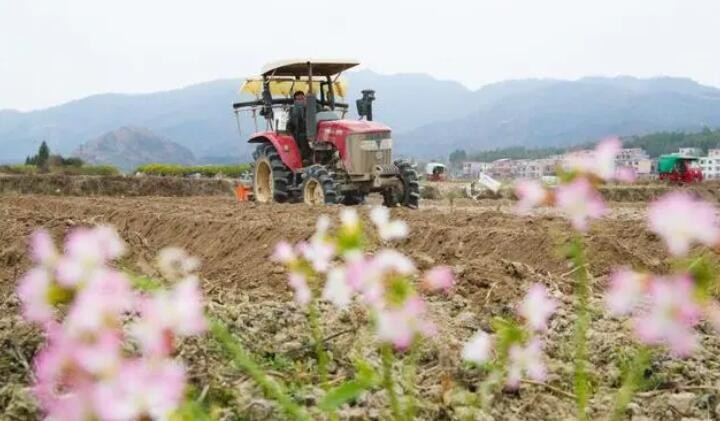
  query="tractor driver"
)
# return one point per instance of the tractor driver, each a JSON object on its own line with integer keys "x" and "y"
{"x": 296, "y": 125}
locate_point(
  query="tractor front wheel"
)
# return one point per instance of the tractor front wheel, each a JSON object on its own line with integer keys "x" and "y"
{"x": 318, "y": 186}
{"x": 409, "y": 195}
{"x": 271, "y": 177}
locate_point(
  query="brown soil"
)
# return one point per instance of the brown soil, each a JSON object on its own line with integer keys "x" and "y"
{"x": 82, "y": 185}
{"x": 495, "y": 253}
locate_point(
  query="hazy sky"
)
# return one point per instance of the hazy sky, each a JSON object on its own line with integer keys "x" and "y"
{"x": 52, "y": 51}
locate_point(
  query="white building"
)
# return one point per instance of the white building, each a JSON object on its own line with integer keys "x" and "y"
{"x": 473, "y": 169}
{"x": 690, "y": 152}
{"x": 710, "y": 165}
{"x": 635, "y": 158}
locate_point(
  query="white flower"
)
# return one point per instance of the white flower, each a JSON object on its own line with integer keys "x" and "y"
{"x": 337, "y": 290}
{"x": 349, "y": 219}
{"x": 537, "y": 307}
{"x": 388, "y": 230}
{"x": 478, "y": 349}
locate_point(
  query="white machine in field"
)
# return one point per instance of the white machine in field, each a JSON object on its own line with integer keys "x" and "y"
{"x": 475, "y": 189}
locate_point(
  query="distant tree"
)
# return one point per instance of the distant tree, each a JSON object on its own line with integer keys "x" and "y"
{"x": 457, "y": 157}
{"x": 43, "y": 154}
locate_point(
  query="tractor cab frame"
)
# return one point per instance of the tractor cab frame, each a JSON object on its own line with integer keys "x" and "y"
{"x": 348, "y": 158}
{"x": 679, "y": 169}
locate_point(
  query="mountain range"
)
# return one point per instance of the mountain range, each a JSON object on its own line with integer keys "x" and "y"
{"x": 429, "y": 117}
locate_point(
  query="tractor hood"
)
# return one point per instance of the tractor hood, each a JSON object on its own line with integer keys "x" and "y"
{"x": 348, "y": 127}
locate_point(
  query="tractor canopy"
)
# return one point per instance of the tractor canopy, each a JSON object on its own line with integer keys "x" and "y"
{"x": 308, "y": 66}
{"x": 667, "y": 163}
{"x": 285, "y": 86}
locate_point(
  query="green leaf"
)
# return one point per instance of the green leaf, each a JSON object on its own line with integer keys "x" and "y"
{"x": 144, "y": 283}
{"x": 342, "y": 394}
{"x": 365, "y": 373}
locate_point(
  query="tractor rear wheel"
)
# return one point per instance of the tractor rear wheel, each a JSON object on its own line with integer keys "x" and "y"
{"x": 318, "y": 186}
{"x": 410, "y": 194}
{"x": 271, "y": 177}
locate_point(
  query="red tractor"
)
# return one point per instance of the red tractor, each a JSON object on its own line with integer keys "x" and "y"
{"x": 309, "y": 152}
{"x": 679, "y": 169}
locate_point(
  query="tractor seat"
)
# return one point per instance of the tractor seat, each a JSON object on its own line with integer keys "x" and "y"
{"x": 327, "y": 116}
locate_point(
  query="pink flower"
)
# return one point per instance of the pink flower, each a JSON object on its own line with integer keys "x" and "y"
{"x": 525, "y": 361}
{"x": 100, "y": 304}
{"x": 337, "y": 290}
{"x": 682, "y": 220}
{"x": 43, "y": 249}
{"x": 400, "y": 326}
{"x": 478, "y": 349}
{"x": 87, "y": 250}
{"x": 579, "y": 201}
{"x": 600, "y": 163}
{"x": 34, "y": 293}
{"x": 605, "y": 153}
{"x": 318, "y": 252}
{"x": 627, "y": 289}
{"x": 671, "y": 316}
{"x": 368, "y": 275}
{"x": 142, "y": 389}
{"x": 537, "y": 307}
{"x": 530, "y": 193}
{"x": 299, "y": 285}
{"x": 388, "y": 230}
{"x": 54, "y": 367}
{"x": 102, "y": 356}
{"x": 284, "y": 253}
{"x": 439, "y": 278}
{"x": 165, "y": 314}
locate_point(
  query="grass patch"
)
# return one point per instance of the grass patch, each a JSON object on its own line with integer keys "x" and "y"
{"x": 183, "y": 171}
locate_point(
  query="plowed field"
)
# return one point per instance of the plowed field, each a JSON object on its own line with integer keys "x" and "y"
{"x": 495, "y": 253}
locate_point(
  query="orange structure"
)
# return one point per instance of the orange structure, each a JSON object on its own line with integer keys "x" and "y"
{"x": 243, "y": 192}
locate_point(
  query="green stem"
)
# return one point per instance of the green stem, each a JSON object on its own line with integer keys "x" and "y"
{"x": 631, "y": 382}
{"x": 388, "y": 381}
{"x": 582, "y": 295}
{"x": 242, "y": 359}
{"x": 318, "y": 339}
{"x": 409, "y": 377}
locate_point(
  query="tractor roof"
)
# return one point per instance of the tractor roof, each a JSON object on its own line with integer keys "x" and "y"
{"x": 299, "y": 67}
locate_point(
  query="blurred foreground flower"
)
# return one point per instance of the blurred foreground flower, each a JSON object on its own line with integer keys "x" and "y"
{"x": 665, "y": 310}
{"x": 478, "y": 349}
{"x": 83, "y": 370}
{"x": 537, "y": 307}
{"x": 671, "y": 316}
{"x": 338, "y": 269}
{"x": 519, "y": 346}
{"x": 579, "y": 201}
{"x": 682, "y": 220}
{"x": 525, "y": 360}
{"x": 577, "y": 196}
